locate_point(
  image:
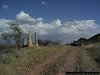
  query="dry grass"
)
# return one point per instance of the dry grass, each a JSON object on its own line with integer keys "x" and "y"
{"x": 23, "y": 61}
{"x": 94, "y": 52}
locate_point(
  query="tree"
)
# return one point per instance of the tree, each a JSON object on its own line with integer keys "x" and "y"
{"x": 15, "y": 29}
{"x": 16, "y": 33}
{"x": 6, "y": 36}
{"x": 48, "y": 42}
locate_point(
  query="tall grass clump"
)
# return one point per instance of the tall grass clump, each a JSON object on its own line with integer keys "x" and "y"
{"x": 94, "y": 51}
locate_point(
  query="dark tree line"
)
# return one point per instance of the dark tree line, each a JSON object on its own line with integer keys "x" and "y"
{"x": 48, "y": 42}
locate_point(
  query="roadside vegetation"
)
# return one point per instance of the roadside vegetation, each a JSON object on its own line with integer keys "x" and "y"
{"x": 47, "y": 60}
{"x": 23, "y": 61}
{"x": 17, "y": 59}
{"x": 94, "y": 51}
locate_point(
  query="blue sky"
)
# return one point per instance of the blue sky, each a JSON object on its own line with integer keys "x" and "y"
{"x": 52, "y": 9}
{"x": 64, "y": 20}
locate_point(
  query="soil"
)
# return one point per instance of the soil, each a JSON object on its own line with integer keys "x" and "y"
{"x": 71, "y": 60}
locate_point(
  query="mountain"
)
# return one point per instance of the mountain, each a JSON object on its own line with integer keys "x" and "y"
{"x": 95, "y": 38}
{"x": 82, "y": 40}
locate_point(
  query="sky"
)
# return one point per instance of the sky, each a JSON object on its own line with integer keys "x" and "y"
{"x": 52, "y": 9}
{"x": 53, "y": 19}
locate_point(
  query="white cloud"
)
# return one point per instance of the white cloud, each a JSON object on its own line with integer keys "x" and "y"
{"x": 56, "y": 30}
{"x": 5, "y": 6}
{"x": 26, "y": 18}
{"x": 43, "y": 3}
{"x": 4, "y": 27}
{"x": 56, "y": 23}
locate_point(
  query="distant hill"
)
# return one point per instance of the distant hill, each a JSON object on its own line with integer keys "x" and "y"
{"x": 95, "y": 38}
{"x": 82, "y": 39}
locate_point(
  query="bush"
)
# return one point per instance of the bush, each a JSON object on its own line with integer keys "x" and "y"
{"x": 48, "y": 42}
{"x": 94, "y": 51}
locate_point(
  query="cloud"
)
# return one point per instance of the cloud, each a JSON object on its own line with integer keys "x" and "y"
{"x": 4, "y": 27}
{"x": 5, "y": 6}
{"x": 43, "y": 3}
{"x": 56, "y": 30}
{"x": 25, "y": 18}
{"x": 56, "y": 23}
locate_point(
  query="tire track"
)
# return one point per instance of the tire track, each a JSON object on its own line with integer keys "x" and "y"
{"x": 48, "y": 65}
{"x": 78, "y": 61}
{"x": 70, "y": 64}
{"x": 75, "y": 59}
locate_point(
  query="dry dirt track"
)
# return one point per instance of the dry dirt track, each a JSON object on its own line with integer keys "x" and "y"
{"x": 73, "y": 60}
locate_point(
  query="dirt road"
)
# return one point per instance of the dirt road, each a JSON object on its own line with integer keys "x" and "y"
{"x": 78, "y": 61}
{"x": 75, "y": 59}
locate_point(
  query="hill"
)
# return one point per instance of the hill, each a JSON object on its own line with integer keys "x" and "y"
{"x": 95, "y": 38}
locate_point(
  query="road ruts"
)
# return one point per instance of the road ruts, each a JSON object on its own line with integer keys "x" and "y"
{"x": 50, "y": 64}
{"x": 70, "y": 64}
{"x": 73, "y": 60}
{"x": 53, "y": 68}
{"x": 77, "y": 61}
